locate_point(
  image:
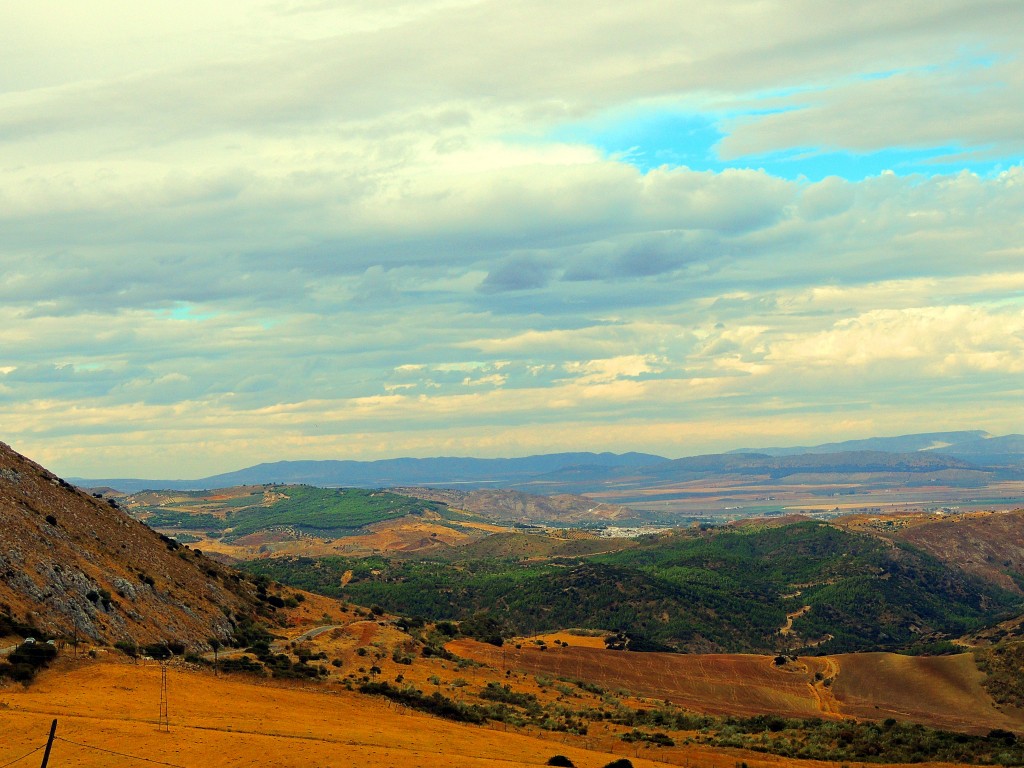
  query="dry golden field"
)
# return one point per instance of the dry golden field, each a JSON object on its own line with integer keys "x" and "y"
{"x": 227, "y": 722}
{"x": 108, "y": 715}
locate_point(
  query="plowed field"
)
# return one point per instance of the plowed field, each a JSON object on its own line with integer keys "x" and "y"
{"x": 714, "y": 683}
{"x": 942, "y": 692}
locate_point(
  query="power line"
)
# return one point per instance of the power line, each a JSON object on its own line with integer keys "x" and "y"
{"x": 112, "y": 752}
{"x": 22, "y": 757}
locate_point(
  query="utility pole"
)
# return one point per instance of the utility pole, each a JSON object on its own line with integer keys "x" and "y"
{"x": 165, "y": 722}
{"x": 49, "y": 743}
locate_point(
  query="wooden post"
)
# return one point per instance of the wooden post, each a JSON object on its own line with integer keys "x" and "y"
{"x": 49, "y": 743}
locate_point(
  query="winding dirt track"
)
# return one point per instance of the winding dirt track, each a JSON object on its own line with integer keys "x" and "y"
{"x": 787, "y": 628}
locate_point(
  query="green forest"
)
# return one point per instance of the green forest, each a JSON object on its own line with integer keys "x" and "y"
{"x": 701, "y": 590}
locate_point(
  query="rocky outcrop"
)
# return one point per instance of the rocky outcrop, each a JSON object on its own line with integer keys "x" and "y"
{"x": 72, "y": 564}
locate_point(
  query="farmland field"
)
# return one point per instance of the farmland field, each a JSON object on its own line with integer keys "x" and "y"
{"x": 941, "y": 691}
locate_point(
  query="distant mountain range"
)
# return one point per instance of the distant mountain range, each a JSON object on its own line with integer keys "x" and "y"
{"x": 976, "y": 446}
{"x": 386, "y": 473}
{"x": 966, "y": 451}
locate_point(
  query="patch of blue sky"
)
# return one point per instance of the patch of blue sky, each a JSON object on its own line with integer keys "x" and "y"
{"x": 184, "y": 311}
{"x": 675, "y": 139}
{"x": 650, "y": 140}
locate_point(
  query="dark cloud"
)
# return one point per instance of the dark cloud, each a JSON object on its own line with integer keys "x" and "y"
{"x": 517, "y": 274}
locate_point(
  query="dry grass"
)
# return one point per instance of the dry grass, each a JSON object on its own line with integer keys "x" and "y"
{"x": 232, "y": 722}
{"x": 227, "y": 722}
{"x": 941, "y": 692}
{"x": 735, "y": 684}
{"x": 402, "y": 535}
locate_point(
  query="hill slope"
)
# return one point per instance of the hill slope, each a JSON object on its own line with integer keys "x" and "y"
{"x": 70, "y": 562}
{"x": 511, "y": 507}
{"x": 728, "y": 590}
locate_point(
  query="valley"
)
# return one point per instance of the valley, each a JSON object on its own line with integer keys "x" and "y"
{"x": 406, "y": 626}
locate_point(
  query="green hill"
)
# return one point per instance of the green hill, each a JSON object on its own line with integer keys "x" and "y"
{"x": 727, "y": 590}
{"x": 330, "y": 512}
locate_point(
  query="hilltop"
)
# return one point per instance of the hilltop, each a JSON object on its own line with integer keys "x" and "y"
{"x": 717, "y": 590}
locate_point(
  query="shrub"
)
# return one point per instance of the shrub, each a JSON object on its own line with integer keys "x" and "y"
{"x": 34, "y": 654}
{"x": 435, "y": 703}
{"x": 19, "y": 673}
{"x": 561, "y": 760}
{"x": 158, "y": 651}
{"x": 447, "y": 628}
{"x": 241, "y": 664}
{"x": 127, "y": 647}
{"x": 26, "y": 660}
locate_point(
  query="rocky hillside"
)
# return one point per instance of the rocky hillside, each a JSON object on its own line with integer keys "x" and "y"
{"x": 511, "y": 507}
{"x": 985, "y": 544}
{"x": 69, "y": 561}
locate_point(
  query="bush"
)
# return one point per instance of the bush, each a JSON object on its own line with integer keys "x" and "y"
{"x": 620, "y": 763}
{"x": 127, "y": 647}
{"x": 241, "y": 664}
{"x": 158, "y": 651}
{"x": 447, "y": 628}
{"x": 561, "y": 760}
{"x": 19, "y": 673}
{"x": 435, "y": 703}
{"x": 26, "y": 660}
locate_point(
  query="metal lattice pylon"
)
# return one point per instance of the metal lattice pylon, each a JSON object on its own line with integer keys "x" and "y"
{"x": 165, "y": 722}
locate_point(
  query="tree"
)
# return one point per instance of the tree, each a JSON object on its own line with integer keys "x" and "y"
{"x": 215, "y": 645}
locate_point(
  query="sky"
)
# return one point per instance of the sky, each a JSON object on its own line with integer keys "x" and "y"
{"x": 259, "y": 230}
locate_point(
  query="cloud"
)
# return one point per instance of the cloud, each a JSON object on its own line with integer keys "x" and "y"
{"x": 947, "y": 340}
{"x": 627, "y": 366}
{"x": 360, "y": 229}
{"x": 829, "y": 197}
{"x": 516, "y": 274}
{"x": 907, "y": 108}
